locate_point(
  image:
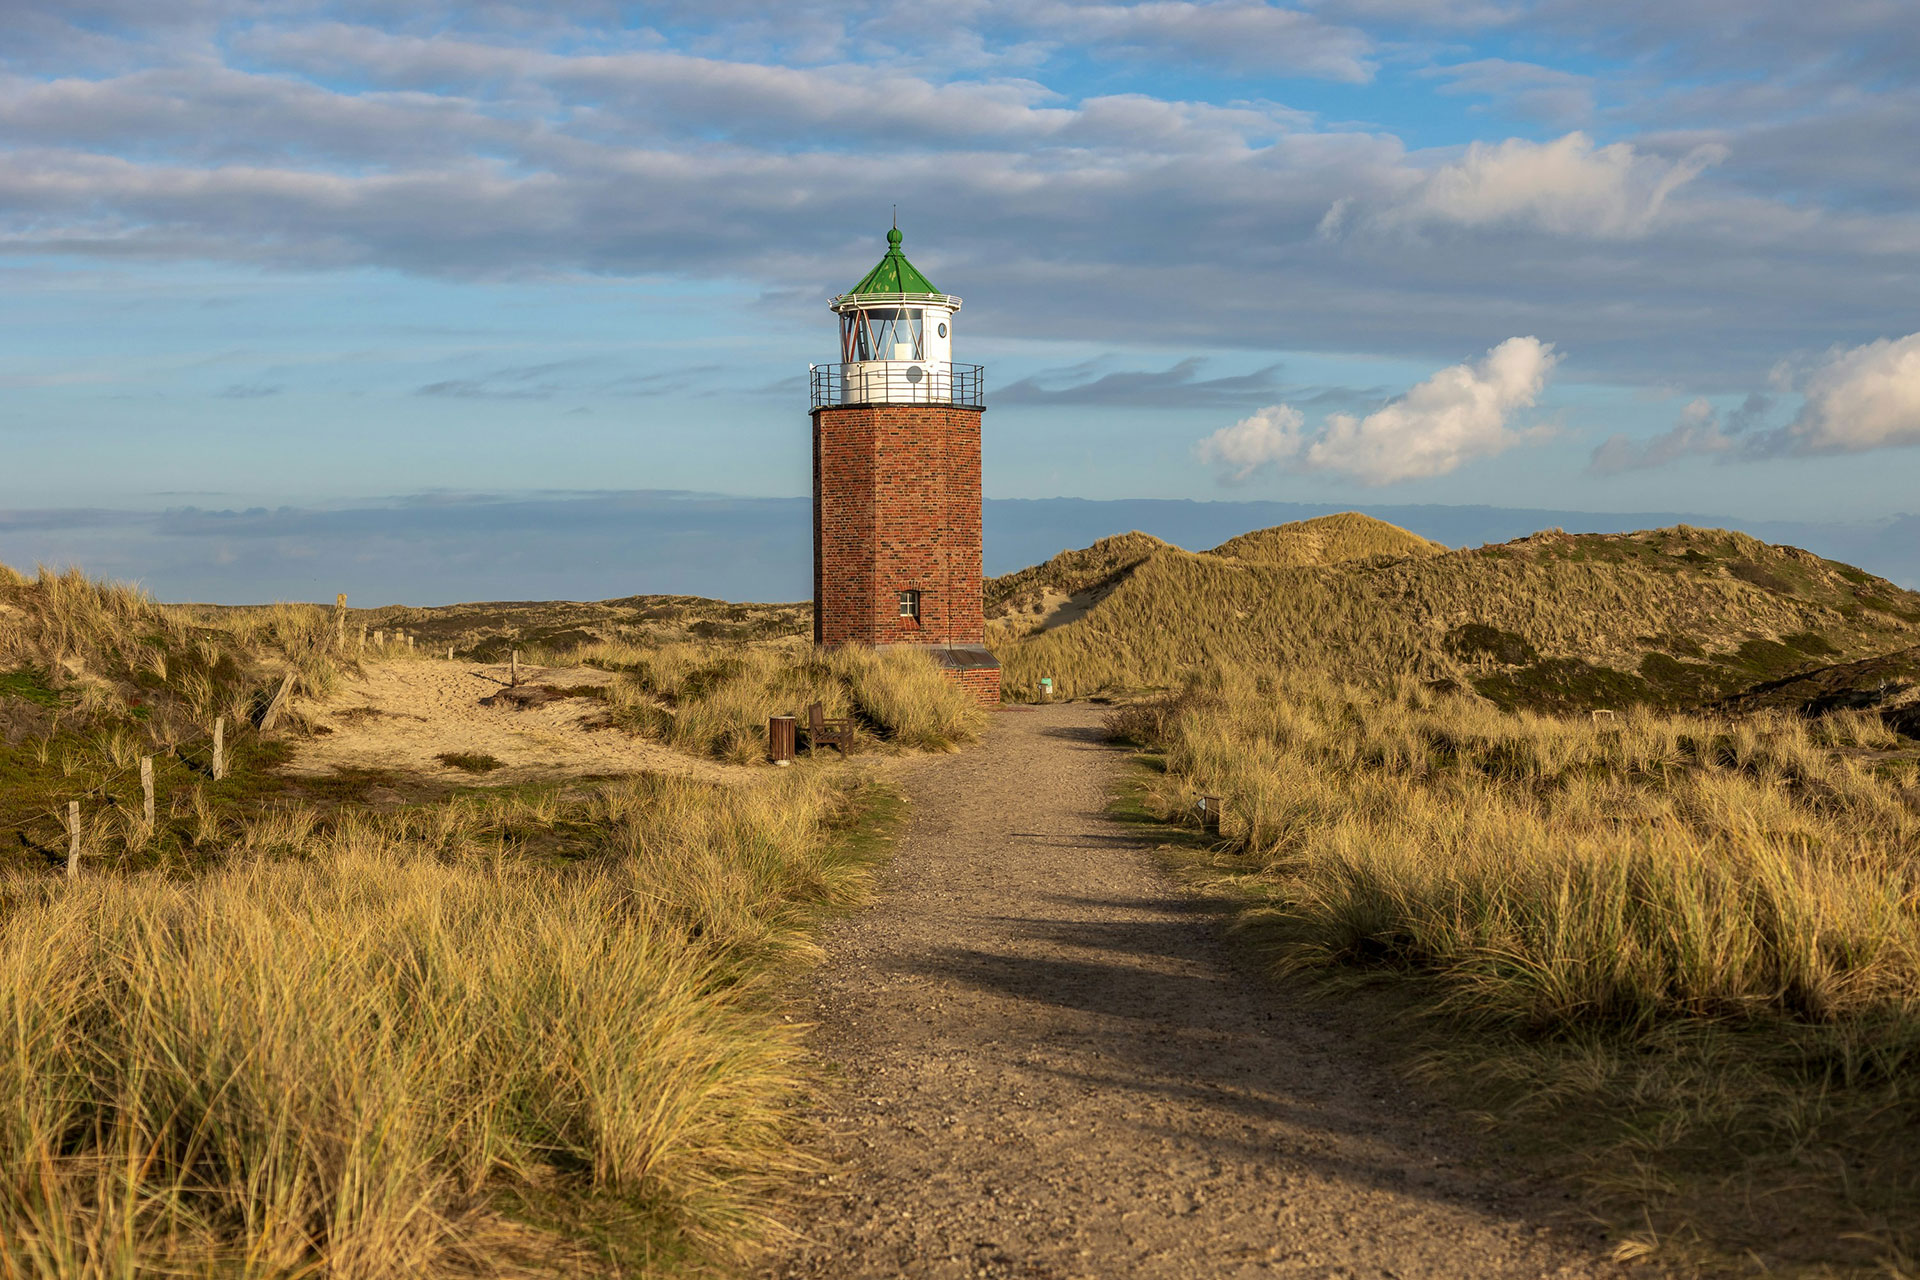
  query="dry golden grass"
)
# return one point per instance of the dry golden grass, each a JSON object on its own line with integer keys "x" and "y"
{"x": 411, "y": 1046}
{"x": 1327, "y": 540}
{"x": 716, "y": 699}
{"x": 517, "y": 1032}
{"x": 1668, "y": 617}
{"x": 1695, "y": 939}
{"x": 1071, "y": 571}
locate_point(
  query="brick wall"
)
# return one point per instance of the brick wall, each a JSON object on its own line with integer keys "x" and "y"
{"x": 896, "y": 507}
{"x": 984, "y": 683}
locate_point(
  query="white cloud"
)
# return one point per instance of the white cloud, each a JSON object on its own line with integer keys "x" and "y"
{"x": 1269, "y": 436}
{"x": 1859, "y": 399}
{"x": 1567, "y": 186}
{"x": 1459, "y": 414}
{"x": 1697, "y": 433}
{"x": 1238, "y": 34}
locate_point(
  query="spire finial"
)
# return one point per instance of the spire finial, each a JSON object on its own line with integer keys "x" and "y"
{"x": 893, "y": 239}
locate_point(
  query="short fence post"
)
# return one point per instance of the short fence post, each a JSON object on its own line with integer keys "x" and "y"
{"x": 513, "y": 668}
{"x": 363, "y": 637}
{"x": 277, "y": 703}
{"x": 409, "y": 642}
{"x": 340, "y": 620}
{"x": 380, "y": 639}
{"x": 219, "y": 748}
{"x": 146, "y": 789}
{"x": 1210, "y": 810}
{"x": 73, "y": 838}
{"x": 449, "y": 653}
{"x": 782, "y": 734}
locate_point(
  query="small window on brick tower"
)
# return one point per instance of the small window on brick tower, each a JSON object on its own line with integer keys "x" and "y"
{"x": 910, "y": 605}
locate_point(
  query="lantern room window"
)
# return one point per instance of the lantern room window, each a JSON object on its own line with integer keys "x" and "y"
{"x": 884, "y": 333}
{"x": 910, "y": 605}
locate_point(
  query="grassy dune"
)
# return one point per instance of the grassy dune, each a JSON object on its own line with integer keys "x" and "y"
{"x": 284, "y": 1032}
{"x": 1669, "y": 618}
{"x": 1674, "y": 949}
{"x": 1327, "y": 540}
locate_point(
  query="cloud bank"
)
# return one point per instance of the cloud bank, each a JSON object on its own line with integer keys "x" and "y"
{"x": 1461, "y": 413}
{"x": 1865, "y": 398}
{"x": 1856, "y": 400}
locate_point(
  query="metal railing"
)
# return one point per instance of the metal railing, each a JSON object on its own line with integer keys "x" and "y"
{"x": 899, "y": 382}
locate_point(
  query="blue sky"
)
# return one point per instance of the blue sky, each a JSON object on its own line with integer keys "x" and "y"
{"x": 1526, "y": 253}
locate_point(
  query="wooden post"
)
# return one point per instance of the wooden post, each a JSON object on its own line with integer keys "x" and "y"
{"x": 340, "y": 621}
{"x": 449, "y": 653}
{"x": 219, "y": 748}
{"x": 1210, "y": 811}
{"x": 380, "y": 639}
{"x": 146, "y": 789}
{"x": 781, "y": 737}
{"x": 513, "y": 669}
{"x": 73, "y": 838}
{"x": 277, "y": 703}
{"x": 409, "y": 642}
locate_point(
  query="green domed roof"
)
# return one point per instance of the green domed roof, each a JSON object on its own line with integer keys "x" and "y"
{"x": 894, "y": 274}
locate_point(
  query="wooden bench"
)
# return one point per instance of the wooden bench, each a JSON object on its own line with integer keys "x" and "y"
{"x": 822, "y": 732}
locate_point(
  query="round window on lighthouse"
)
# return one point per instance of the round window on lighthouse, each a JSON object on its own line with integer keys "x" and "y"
{"x": 914, "y": 374}
{"x": 943, "y": 330}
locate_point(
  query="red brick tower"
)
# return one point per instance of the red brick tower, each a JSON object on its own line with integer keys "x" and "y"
{"x": 896, "y": 478}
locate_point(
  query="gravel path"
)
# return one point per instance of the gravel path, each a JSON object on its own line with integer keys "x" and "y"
{"x": 1048, "y": 1067}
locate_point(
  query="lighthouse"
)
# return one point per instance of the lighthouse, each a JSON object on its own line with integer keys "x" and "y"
{"x": 896, "y": 478}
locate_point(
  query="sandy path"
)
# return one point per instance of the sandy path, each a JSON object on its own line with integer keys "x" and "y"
{"x": 403, "y": 713}
{"x": 1048, "y": 1067}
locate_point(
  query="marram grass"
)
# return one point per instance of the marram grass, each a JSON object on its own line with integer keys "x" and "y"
{"x": 1678, "y": 954}
{"x": 1562, "y": 872}
{"x": 365, "y": 1058}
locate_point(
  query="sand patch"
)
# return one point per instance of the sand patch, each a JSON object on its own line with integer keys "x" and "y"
{"x": 404, "y": 714}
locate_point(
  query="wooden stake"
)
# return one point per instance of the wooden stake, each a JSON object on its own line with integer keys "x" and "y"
{"x": 219, "y": 748}
{"x": 146, "y": 789}
{"x": 363, "y": 637}
{"x": 277, "y": 703}
{"x": 1210, "y": 811}
{"x": 513, "y": 670}
{"x": 73, "y": 840}
{"x": 340, "y": 620}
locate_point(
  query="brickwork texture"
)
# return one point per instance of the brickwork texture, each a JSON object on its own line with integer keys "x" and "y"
{"x": 896, "y": 507}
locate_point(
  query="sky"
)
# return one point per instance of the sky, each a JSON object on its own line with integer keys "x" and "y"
{"x": 402, "y": 258}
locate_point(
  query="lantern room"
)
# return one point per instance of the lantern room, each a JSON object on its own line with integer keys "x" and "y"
{"x": 896, "y": 342}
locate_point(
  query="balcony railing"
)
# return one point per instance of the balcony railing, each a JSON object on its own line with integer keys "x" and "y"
{"x": 899, "y": 382}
